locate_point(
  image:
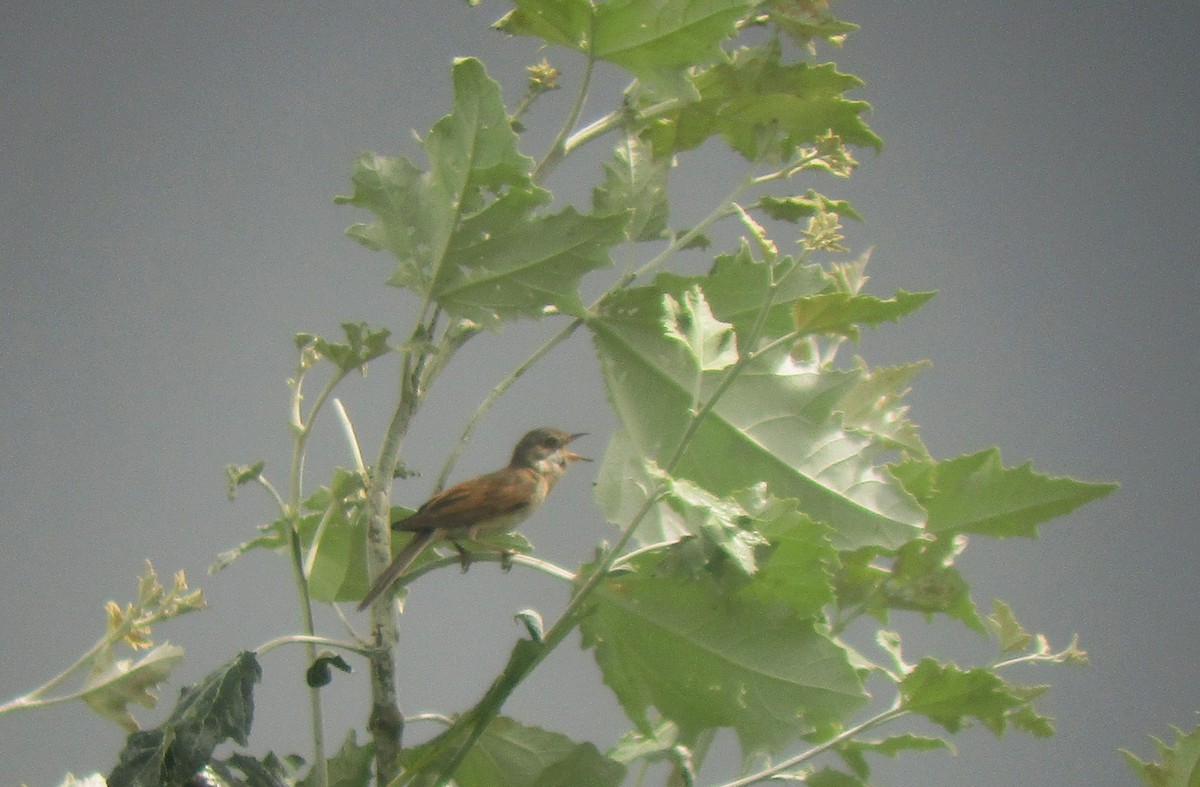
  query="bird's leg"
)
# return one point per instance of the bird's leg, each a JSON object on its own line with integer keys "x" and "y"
{"x": 464, "y": 557}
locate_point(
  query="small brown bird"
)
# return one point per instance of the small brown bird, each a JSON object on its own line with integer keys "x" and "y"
{"x": 493, "y": 503}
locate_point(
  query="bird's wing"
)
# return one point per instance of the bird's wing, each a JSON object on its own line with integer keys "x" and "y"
{"x": 479, "y": 499}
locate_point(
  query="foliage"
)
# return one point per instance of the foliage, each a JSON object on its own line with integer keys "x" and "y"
{"x": 1180, "y": 766}
{"x": 766, "y": 492}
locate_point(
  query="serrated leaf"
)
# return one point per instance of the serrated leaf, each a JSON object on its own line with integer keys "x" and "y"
{"x": 853, "y": 751}
{"x": 712, "y": 343}
{"x": 719, "y": 523}
{"x": 798, "y": 207}
{"x": 1179, "y": 766}
{"x": 738, "y": 285}
{"x": 361, "y": 346}
{"x": 114, "y": 683}
{"x": 707, "y": 660}
{"x": 947, "y": 695}
{"x": 635, "y": 185}
{"x": 923, "y": 579}
{"x": 218, "y": 708}
{"x": 525, "y": 266}
{"x": 350, "y": 767}
{"x": 1004, "y": 624}
{"x": 763, "y": 107}
{"x": 873, "y": 407}
{"x": 776, "y": 423}
{"x": 269, "y": 771}
{"x": 805, "y": 21}
{"x": 472, "y": 154}
{"x": 977, "y": 494}
{"x": 653, "y": 39}
{"x": 841, "y": 313}
{"x": 797, "y": 571}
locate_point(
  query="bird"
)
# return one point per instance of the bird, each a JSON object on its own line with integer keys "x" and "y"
{"x": 488, "y": 504}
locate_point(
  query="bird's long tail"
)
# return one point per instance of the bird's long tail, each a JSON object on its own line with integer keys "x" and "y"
{"x": 398, "y": 566}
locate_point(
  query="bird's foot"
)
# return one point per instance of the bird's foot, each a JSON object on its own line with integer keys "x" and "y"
{"x": 506, "y": 560}
{"x": 464, "y": 557}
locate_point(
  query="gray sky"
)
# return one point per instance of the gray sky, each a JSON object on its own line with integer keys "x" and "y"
{"x": 166, "y": 226}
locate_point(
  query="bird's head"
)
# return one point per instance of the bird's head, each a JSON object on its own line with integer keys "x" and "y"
{"x": 546, "y": 445}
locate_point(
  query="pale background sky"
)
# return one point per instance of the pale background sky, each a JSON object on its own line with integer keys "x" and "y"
{"x": 166, "y": 226}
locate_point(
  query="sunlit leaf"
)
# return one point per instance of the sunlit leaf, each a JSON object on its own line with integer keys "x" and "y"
{"x": 977, "y": 494}
{"x": 762, "y": 106}
{"x": 841, "y": 313}
{"x": 776, "y": 423}
{"x": 706, "y": 660}
{"x": 654, "y": 39}
{"x": 115, "y": 683}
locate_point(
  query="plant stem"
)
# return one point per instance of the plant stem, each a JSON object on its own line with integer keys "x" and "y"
{"x": 302, "y": 430}
{"x": 290, "y": 639}
{"x": 558, "y": 148}
{"x": 890, "y": 714}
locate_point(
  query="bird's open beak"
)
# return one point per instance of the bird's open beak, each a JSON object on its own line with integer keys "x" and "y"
{"x": 573, "y": 457}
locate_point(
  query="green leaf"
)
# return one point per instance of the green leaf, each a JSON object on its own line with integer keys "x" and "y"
{"x": 806, "y": 21}
{"x": 270, "y": 771}
{"x": 872, "y": 407}
{"x": 1180, "y": 766}
{"x": 114, "y": 683}
{"x": 656, "y": 40}
{"x": 797, "y": 572}
{"x": 705, "y": 659}
{"x": 635, "y": 185}
{"x": 923, "y": 579}
{"x": 712, "y": 343}
{"x": 472, "y": 154}
{"x": 738, "y": 285}
{"x": 336, "y": 562}
{"x": 977, "y": 494}
{"x": 524, "y": 266}
{"x": 841, "y": 313}
{"x": 853, "y": 751}
{"x": 583, "y": 766}
{"x": 519, "y": 755}
{"x": 652, "y": 746}
{"x": 362, "y": 345}
{"x": 946, "y": 695}
{"x": 240, "y": 475}
{"x": 218, "y": 708}
{"x": 350, "y": 767}
{"x": 776, "y": 423}
{"x": 795, "y": 208}
{"x": 720, "y": 523}
{"x": 827, "y": 777}
{"x": 272, "y": 538}
{"x": 1004, "y": 624}
{"x": 763, "y": 108}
